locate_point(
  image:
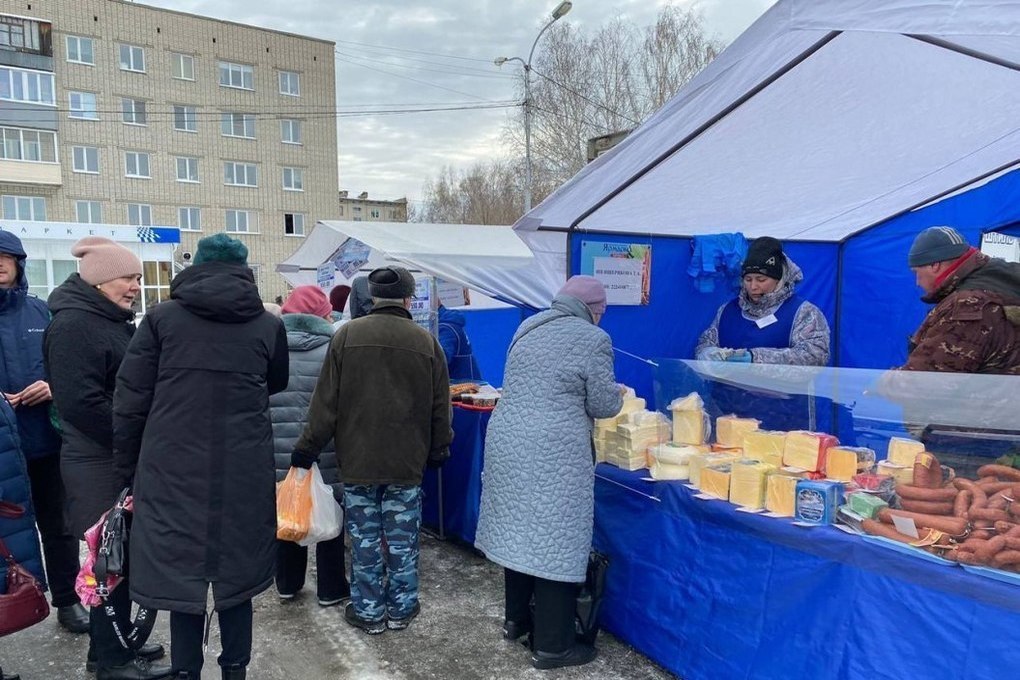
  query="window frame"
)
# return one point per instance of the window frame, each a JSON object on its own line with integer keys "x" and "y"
{"x": 147, "y": 210}
{"x": 180, "y": 222}
{"x": 295, "y": 173}
{"x": 292, "y": 77}
{"x": 292, "y": 124}
{"x": 79, "y": 39}
{"x": 134, "y": 112}
{"x": 138, "y": 156}
{"x": 34, "y": 203}
{"x": 24, "y": 78}
{"x": 189, "y": 162}
{"x": 230, "y": 174}
{"x": 245, "y": 119}
{"x": 193, "y": 119}
{"x": 248, "y": 221}
{"x": 229, "y": 68}
{"x": 85, "y": 157}
{"x": 131, "y": 66}
{"x": 89, "y": 205}
{"x": 177, "y": 60}
{"x": 294, "y": 233}
{"x": 81, "y": 94}
{"x": 23, "y": 145}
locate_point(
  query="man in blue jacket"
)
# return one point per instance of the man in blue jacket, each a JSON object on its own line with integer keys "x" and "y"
{"x": 23, "y": 319}
{"x": 456, "y": 346}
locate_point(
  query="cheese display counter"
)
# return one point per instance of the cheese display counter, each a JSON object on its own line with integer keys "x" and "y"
{"x": 883, "y": 548}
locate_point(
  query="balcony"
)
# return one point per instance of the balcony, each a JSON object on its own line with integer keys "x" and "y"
{"x": 26, "y": 42}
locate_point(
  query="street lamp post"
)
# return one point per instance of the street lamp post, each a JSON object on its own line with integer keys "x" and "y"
{"x": 559, "y": 12}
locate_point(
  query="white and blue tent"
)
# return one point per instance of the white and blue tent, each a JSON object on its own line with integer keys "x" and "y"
{"x": 842, "y": 127}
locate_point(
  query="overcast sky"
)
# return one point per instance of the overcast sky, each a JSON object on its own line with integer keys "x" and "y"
{"x": 396, "y": 53}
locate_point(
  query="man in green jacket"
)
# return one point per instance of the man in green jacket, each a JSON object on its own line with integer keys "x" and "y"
{"x": 384, "y": 398}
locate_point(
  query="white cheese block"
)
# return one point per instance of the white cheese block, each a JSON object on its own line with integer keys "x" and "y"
{"x": 730, "y": 430}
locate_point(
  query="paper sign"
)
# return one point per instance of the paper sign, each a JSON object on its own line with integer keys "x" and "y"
{"x": 752, "y": 511}
{"x": 1005, "y": 246}
{"x": 350, "y": 257}
{"x": 707, "y": 497}
{"x": 622, "y": 279}
{"x": 774, "y": 515}
{"x": 905, "y": 526}
{"x": 691, "y": 487}
{"x": 805, "y": 524}
{"x": 324, "y": 275}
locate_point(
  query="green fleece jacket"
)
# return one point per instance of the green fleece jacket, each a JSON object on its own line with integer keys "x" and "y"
{"x": 383, "y": 397}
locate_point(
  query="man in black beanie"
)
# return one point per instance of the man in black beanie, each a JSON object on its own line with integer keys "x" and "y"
{"x": 384, "y": 398}
{"x": 975, "y": 324}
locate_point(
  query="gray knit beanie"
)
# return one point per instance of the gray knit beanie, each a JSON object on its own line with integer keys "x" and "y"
{"x": 937, "y": 244}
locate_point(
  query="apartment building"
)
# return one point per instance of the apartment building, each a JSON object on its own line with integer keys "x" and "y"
{"x": 119, "y": 113}
{"x": 364, "y": 209}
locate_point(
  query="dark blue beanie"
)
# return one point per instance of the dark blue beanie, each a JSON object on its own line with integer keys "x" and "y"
{"x": 937, "y": 244}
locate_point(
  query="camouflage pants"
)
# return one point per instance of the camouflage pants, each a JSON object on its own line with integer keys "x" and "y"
{"x": 383, "y": 585}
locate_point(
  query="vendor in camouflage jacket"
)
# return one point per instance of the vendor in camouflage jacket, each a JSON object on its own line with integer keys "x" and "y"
{"x": 975, "y": 324}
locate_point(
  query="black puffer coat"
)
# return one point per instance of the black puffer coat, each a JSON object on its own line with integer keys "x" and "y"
{"x": 191, "y": 411}
{"x": 308, "y": 341}
{"x": 83, "y": 347}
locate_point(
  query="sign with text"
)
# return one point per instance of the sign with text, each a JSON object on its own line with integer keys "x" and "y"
{"x": 1005, "y": 246}
{"x": 625, "y": 269}
{"x": 324, "y": 275}
{"x": 350, "y": 257}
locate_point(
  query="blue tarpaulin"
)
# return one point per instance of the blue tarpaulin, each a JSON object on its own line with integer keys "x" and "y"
{"x": 716, "y": 594}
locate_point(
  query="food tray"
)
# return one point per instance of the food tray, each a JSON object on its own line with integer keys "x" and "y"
{"x": 907, "y": 549}
{"x": 995, "y": 574}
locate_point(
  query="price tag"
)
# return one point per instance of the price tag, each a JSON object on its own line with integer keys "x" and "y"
{"x": 706, "y": 497}
{"x": 752, "y": 511}
{"x": 905, "y": 526}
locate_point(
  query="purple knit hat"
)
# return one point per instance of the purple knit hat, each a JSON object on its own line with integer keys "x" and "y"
{"x": 588, "y": 290}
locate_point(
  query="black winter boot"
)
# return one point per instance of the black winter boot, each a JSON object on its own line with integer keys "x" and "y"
{"x": 235, "y": 672}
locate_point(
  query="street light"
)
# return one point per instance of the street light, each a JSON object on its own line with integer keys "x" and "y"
{"x": 558, "y": 13}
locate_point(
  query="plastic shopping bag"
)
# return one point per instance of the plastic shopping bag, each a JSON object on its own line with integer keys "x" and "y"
{"x": 327, "y": 516}
{"x": 294, "y": 505}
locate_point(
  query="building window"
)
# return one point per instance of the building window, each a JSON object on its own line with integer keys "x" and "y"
{"x": 133, "y": 111}
{"x": 37, "y": 146}
{"x": 25, "y": 35}
{"x": 185, "y": 119}
{"x": 90, "y": 212}
{"x": 293, "y": 224}
{"x": 136, "y": 164}
{"x": 290, "y": 131}
{"x": 393, "y": 214}
{"x": 187, "y": 169}
{"x": 182, "y": 66}
{"x": 189, "y": 219}
{"x": 83, "y": 105}
{"x": 27, "y": 208}
{"x": 86, "y": 159}
{"x": 240, "y": 174}
{"x": 374, "y": 214}
{"x": 44, "y": 275}
{"x": 238, "y": 76}
{"x": 242, "y": 221}
{"x": 293, "y": 179}
{"x": 79, "y": 50}
{"x": 341, "y": 211}
{"x": 132, "y": 58}
{"x": 139, "y": 214}
{"x": 155, "y": 283}
{"x": 23, "y": 85}
{"x": 238, "y": 125}
{"x": 290, "y": 83}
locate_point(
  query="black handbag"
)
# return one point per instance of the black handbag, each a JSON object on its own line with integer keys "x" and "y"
{"x": 589, "y": 598}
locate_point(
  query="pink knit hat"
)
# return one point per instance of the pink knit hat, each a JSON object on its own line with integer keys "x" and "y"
{"x": 588, "y": 290}
{"x": 308, "y": 300}
{"x": 103, "y": 260}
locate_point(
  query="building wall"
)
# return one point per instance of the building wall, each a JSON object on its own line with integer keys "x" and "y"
{"x": 161, "y": 34}
{"x": 368, "y": 210}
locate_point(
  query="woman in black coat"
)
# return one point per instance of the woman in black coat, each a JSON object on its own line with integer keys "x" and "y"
{"x": 192, "y": 428}
{"x": 84, "y": 345}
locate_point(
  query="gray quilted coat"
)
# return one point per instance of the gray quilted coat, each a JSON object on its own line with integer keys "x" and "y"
{"x": 538, "y": 484}
{"x": 307, "y": 343}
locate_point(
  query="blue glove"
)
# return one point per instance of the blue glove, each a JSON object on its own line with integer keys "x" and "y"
{"x": 712, "y": 354}
{"x": 741, "y": 356}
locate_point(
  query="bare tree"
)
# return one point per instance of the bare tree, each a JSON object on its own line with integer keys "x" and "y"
{"x": 486, "y": 193}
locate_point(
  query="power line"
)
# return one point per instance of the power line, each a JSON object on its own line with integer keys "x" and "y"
{"x": 401, "y": 49}
{"x": 585, "y": 98}
{"x": 463, "y": 70}
{"x": 413, "y": 80}
{"x": 478, "y": 74}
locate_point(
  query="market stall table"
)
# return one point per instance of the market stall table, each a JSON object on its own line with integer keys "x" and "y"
{"x": 712, "y": 593}
{"x": 454, "y": 493}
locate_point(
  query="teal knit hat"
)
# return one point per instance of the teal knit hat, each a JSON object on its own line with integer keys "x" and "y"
{"x": 220, "y": 248}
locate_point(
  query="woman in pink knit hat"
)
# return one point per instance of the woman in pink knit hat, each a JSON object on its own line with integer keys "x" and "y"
{"x": 93, "y": 321}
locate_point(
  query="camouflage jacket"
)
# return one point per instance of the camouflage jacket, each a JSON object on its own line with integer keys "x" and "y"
{"x": 975, "y": 324}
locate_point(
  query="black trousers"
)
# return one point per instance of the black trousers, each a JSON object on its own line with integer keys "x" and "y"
{"x": 187, "y": 631}
{"x": 555, "y": 605}
{"x": 60, "y": 547}
{"x": 105, "y": 646}
{"x": 292, "y": 563}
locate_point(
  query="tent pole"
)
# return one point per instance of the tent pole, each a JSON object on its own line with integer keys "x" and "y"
{"x": 966, "y": 51}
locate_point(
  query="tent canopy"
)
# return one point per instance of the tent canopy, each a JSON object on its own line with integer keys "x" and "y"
{"x": 825, "y": 118}
{"x": 493, "y": 260}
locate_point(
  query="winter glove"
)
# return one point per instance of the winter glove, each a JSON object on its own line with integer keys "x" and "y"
{"x": 712, "y": 354}
{"x": 740, "y": 356}
{"x": 437, "y": 458}
{"x": 300, "y": 459}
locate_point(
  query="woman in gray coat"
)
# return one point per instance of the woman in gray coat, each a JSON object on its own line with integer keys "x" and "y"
{"x": 306, "y": 316}
{"x": 538, "y": 486}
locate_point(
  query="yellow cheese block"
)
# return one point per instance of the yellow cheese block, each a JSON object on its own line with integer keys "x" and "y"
{"x": 699, "y": 461}
{"x": 765, "y": 446}
{"x": 903, "y": 474}
{"x": 781, "y": 494}
{"x": 807, "y": 450}
{"x": 747, "y": 483}
{"x": 730, "y": 430}
{"x": 902, "y": 451}
{"x": 660, "y": 470}
{"x": 632, "y": 404}
{"x": 690, "y": 424}
{"x": 715, "y": 480}
{"x": 671, "y": 454}
{"x": 841, "y": 464}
